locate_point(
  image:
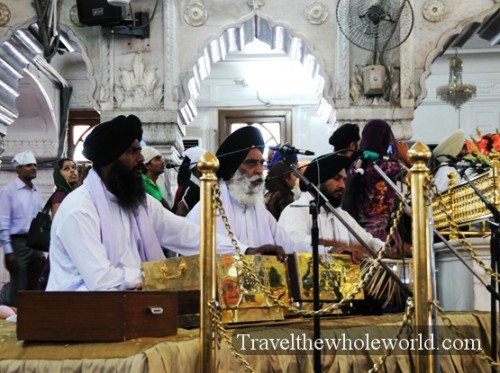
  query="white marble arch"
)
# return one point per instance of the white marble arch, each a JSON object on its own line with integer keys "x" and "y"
{"x": 29, "y": 82}
{"x": 436, "y": 52}
{"x": 234, "y": 39}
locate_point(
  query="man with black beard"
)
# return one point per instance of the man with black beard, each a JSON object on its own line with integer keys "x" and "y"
{"x": 241, "y": 183}
{"x": 329, "y": 173}
{"x": 105, "y": 228}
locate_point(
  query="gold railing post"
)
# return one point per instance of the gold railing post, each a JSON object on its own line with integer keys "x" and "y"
{"x": 419, "y": 155}
{"x": 208, "y": 164}
{"x": 494, "y": 175}
{"x": 452, "y": 195}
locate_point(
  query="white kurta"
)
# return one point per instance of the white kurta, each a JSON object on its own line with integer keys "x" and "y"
{"x": 254, "y": 226}
{"x": 78, "y": 259}
{"x": 296, "y": 220}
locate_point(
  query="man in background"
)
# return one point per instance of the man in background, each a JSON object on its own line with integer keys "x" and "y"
{"x": 345, "y": 140}
{"x": 154, "y": 166}
{"x": 19, "y": 203}
{"x": 190, "y": 194}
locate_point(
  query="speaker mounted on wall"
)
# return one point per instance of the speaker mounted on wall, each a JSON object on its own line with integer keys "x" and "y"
{"x": 99, "y": 13}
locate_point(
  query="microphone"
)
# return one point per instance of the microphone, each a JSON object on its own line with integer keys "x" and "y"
{"x": 289, "y": 149}
{"x": 171, "y": 165}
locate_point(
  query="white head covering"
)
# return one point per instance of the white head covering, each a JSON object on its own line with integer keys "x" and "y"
{"x": 149, "y": 153}
{"x": 451, "y": 145}
{"x": 194, "y": 154}
{"x": 23, "y": 158}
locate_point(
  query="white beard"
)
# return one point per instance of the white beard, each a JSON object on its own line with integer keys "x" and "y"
{"x": 240, "y": 188}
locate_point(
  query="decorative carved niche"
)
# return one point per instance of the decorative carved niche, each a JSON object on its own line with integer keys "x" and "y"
{"x": 139, "y": 87}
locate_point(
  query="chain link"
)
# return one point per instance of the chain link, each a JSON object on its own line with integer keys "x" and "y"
{"x": 463, "y": 240}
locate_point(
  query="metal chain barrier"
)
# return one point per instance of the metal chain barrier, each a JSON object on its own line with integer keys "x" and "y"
{"x": 405, "y": 324}
{"x": 223, "y": 335}
{"x": 463, "y": 240}
{"x": 480, "y": 353}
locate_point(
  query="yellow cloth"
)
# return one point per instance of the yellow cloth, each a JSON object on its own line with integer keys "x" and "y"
{"x": 180, "y": 353}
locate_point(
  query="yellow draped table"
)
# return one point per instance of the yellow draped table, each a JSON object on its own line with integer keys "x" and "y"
{"x": 180, "y": 353}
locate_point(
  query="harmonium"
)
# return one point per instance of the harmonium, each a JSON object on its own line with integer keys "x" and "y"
{"x": 253, "y": 288}
{"x": 95, "y": 316}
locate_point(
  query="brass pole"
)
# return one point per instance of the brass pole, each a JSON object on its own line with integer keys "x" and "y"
{"x": 494, "y": 174}
{"x": 208, "y": 164}
{"x": 452, "y": 196}
{"x": 419, "y": 155}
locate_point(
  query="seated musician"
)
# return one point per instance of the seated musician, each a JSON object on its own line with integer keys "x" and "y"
{"x": 241, "y": 183}
{"x": 329, "y": 172}
{"x": 104, "y": 229}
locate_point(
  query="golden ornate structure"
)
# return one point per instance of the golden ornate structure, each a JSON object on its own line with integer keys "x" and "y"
{"x": 462, "y": 204}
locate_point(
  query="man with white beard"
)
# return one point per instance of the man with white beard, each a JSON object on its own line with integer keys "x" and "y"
{"x": 241, "y": 183}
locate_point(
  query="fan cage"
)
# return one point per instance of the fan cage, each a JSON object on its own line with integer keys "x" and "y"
{"x": 376, "y": 25}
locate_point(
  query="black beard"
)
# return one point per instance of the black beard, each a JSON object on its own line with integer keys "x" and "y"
{"x": 334, "y": 201}
{"x": 126, "y": 186}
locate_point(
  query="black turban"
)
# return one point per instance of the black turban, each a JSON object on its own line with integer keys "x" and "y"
{"x": 329, "y": 166}
{"x": 344, "y": 135}
{"x": 234, "y": 149}
{"x": 109, "y": 140}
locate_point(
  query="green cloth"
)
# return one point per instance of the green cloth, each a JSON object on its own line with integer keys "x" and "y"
{"x": 151, "y": 188}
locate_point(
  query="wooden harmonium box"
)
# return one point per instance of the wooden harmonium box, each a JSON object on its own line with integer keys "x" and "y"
{"x": 179, "y": 274}
{"x": 100, "y": 316}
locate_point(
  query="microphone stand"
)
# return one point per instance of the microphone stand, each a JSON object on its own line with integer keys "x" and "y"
{"x": 494, "y": 223}
{"x": 313, "y": 210}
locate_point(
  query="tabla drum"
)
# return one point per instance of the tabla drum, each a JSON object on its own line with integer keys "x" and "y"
{"x": 383, "y": 287}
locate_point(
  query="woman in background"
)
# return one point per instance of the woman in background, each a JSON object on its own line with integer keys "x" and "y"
{"x": 66, "y": 179}
{"x": 280, "y": 182}
{"x": 368, "y": 197}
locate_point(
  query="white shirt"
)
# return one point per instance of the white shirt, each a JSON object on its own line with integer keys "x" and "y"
{"x": 19, "y": 204}
{"x": 254, "y": 226}
{"x": 297, "y": 222}
{"x": 78, "y": 259}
